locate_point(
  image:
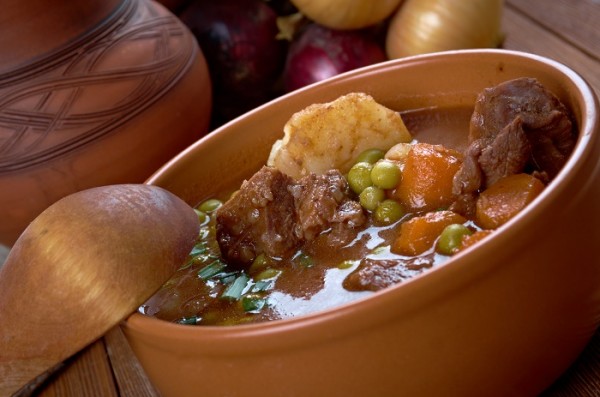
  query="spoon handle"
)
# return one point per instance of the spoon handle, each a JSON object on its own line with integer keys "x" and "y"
{"x": 38, "y": 382}
{"x": 85, "y": 374}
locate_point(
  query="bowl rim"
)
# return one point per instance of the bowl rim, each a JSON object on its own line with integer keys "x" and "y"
{"x": 237, "y": 337}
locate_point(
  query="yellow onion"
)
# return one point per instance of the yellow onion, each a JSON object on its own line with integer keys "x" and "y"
{"x": 346, "y": 14}
{"x": 423, "y": 26}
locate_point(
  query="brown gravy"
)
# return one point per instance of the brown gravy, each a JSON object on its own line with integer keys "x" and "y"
{"x": 299, "y": 287}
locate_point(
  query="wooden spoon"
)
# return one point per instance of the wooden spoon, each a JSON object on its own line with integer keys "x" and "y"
{"x": 81, "y": 267}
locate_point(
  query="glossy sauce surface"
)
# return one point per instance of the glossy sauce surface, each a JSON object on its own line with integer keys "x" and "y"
{"x": 313, "y": 279}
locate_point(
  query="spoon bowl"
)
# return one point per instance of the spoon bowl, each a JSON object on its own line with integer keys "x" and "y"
{"x": 81, "y": 267}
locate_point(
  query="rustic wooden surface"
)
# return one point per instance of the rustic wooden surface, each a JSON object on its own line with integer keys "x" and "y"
{"x": 565, "y": 30}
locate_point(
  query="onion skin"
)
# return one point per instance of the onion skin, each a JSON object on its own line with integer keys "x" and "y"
{"x": 282, "y": 7}
{"x": 347, "y": 14}
{"x": 319, "y": 53}
{"x": 173, "y": 5}
{"x": 245, "y": 59}
{"x": 424, "y": 26}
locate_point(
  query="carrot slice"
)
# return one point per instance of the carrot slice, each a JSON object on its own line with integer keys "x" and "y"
{"x": 418, "y": 234}
{"x": 506, "y": 198}
{"x": 471, "y": 239}
{"x": 427, "y": 176}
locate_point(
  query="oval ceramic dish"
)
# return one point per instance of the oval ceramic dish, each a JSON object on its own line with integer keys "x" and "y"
{"x": 504, "y": 318}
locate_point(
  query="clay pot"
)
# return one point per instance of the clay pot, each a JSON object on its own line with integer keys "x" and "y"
{"x": 91, "y": 93}
{"x": 504, "y": 318}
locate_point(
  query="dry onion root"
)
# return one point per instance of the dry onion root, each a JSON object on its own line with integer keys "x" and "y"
{"x": 346, "y": 14}
{"x": 424, "y": 26}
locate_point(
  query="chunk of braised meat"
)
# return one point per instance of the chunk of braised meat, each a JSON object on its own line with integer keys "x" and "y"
{"x": 261, "y": 217}
{"x": 322, "y": 202}
{"x": 546, "y": 120}
{"x": 275, "y": 214}
{"x": 507, "y": 154}
{"x": 516, "y": 126}
{"x": 375, "y": 274}
{"x": 347, "y": 219}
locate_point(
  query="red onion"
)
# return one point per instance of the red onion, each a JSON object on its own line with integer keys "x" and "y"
{"x": 320, "y": 53}
{"x": 238, "y": 39}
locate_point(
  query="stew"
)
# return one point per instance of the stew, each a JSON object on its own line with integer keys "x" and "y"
{"x": 301, "y": 235}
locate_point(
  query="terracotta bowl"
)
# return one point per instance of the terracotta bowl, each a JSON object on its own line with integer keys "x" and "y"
{"x": 505, "y": 318}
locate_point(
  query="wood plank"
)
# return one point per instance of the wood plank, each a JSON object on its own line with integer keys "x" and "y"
{"x": 523, "y": 35}
{"x": 86, "y": 374}
{"x": 131, "y": 378}
{"x": 576, "y": 21}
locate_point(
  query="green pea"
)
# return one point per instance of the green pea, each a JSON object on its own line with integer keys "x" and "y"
{"x": 359, "y": 176}
{"x": 210, "y": 205}
{"x": 388, "y": 212}
{"x": 370, "y": 156}
{"x": 202, "y": 217}
{"x": 370, "y": 197}
{"x": 385, "y": 174}
{"x": 451, "y": 237}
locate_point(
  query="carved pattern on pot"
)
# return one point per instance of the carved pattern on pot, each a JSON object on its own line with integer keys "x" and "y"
{"x": 91, "y": 86}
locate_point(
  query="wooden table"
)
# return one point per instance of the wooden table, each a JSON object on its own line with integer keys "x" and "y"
{"x": 565, "y": 30}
